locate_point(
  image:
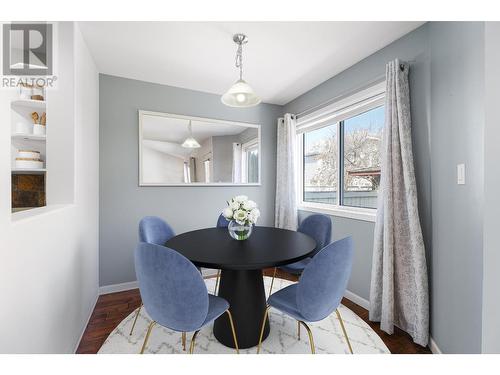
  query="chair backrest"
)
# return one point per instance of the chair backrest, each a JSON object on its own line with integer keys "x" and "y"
{"x": 324, "y": 280}
{"x": 172, "y": 289}
{"x": 153, "y": 229}
{"x": 222, "y": 222}
{"x": 319, "y": 227}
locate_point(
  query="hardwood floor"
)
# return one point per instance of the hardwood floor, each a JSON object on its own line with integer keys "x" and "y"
{"x": 112, "y": 308}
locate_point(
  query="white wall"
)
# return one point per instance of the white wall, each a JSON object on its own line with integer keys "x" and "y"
{"x": 49, "y": 261}
{"x": 159, "y": 167}
{"x": 491, "y": 241}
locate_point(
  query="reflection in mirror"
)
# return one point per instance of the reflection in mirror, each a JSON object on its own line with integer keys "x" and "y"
{"x": 177, "y": 150}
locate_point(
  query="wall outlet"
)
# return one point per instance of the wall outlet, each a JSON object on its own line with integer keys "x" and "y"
{"x": 460, "y": 174}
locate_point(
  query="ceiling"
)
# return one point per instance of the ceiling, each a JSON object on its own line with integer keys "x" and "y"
{"x": 282, "y": 60}
{"x": 170, "y": 129}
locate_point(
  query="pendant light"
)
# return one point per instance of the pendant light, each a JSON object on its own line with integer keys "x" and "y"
{"x": 240, "y": 94}
{"x": 190, "y": 142}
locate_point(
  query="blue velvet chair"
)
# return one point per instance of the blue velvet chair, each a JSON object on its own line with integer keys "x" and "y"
{"x": 319, "y": 290}
{"x": 319, "y": 227}
{"x": 155, "y": 230}
{"x": 222, "y": 222}
{"x": 174, "y": 293}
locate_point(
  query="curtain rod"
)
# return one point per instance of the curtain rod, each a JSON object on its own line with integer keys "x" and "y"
{"x": 374, "y": 81}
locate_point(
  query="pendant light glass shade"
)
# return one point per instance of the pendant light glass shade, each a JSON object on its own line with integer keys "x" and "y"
{"x": 190, "y": 142}
{"x": 240, "y": 94}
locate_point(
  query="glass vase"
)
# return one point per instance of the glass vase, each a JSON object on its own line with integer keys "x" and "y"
{"x": 239, "y": 232}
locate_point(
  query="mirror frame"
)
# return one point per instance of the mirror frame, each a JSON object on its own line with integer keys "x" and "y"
{"x": 142, "y": 113}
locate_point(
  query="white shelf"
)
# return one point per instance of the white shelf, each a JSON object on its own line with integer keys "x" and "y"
{"x": 28, "y": 171}
{"x": 32, "y": 137}
{"x": 40, "y": 104}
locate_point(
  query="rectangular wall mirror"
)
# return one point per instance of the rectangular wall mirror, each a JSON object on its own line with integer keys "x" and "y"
{"x": 185, "y": 150}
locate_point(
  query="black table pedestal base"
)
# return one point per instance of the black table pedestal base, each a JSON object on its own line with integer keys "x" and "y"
{"x": 244, "y": 290}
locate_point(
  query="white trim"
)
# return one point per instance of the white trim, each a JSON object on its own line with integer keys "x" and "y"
{"x": 364, "y": 303}
{"x": 86, "y": 324}
{"x": 433, "y": 347}
{"x": 359, "y": 102}
{"x": 107, "y": 289}
{"x": 341, "y": 109}
{"x": 357, "y": 213}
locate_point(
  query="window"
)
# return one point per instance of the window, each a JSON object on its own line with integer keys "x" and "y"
{"x": 339, "y": 155}
{"x": 361, "y": 145}
{"x": 250, "y": 161}
{"x": 206, "y": 165}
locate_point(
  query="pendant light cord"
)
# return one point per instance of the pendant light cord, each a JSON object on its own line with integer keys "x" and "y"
{"x": 239, "y": 59}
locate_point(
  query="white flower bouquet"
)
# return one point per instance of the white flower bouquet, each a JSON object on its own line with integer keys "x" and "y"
{"x": 242, "y": 214}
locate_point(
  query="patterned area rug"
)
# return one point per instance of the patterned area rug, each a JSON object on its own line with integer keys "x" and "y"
{"x": 328, "y": 336}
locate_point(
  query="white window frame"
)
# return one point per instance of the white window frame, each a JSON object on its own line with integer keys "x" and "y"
{"x": 343, "y": 109}
{"x": 245, "y": 147}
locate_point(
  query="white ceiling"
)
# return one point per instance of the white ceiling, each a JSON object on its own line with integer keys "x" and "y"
{"x": 282, "y": 60}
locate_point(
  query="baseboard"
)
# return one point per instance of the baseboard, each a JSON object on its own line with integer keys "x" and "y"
{"x": 106, "y": 289}
{"x": 86, "y": 323}
{"x": 433, "y": 347}
{"x": 114, "y": 288}
{"x": 364, "y": 303}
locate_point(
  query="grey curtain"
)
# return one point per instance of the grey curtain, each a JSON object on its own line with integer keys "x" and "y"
{"x": 399, "y": 290}
{"x": 286, "y": 200}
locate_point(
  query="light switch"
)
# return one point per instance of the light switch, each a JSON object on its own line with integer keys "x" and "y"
{"x": 461, "y": 174}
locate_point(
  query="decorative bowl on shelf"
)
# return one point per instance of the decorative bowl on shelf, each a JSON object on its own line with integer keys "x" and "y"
{"x": 28, "y": 154}
{"x": 28, "y": 163}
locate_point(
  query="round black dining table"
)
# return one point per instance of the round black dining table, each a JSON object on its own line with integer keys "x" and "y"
{"x": 241, "y": 262}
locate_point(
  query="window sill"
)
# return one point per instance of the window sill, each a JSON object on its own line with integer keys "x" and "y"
{"x": 364, "y": 214}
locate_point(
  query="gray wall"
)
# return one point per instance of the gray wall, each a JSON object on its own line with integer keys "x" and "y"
{"x": 457, "y": 122}
{"x": 447, "y": 114}
{"x": 222, "y": 151}
{"x": 123, "y": 202}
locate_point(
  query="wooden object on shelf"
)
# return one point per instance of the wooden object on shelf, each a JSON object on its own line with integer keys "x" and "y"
{"x": 43, "y": 119}
{"x": 35, "y": 117}
{"x": 28, "y": 190}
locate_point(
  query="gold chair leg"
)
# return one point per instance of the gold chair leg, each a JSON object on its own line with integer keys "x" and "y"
{"x": 184, "y": 341}
{"x": 262, "y": 328}
{"x": 135, "y": 320}
{"x": 234, "y": 332}
{"x": 311, "y": 340}
{"x": 298, "y": 329}
{"x": 151, "y": 325}
{"x": 343, "y": 329}
{"x": 217, "y": 282}
{"x": 191, "y": 348}
{"x": 272, "y": 282}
